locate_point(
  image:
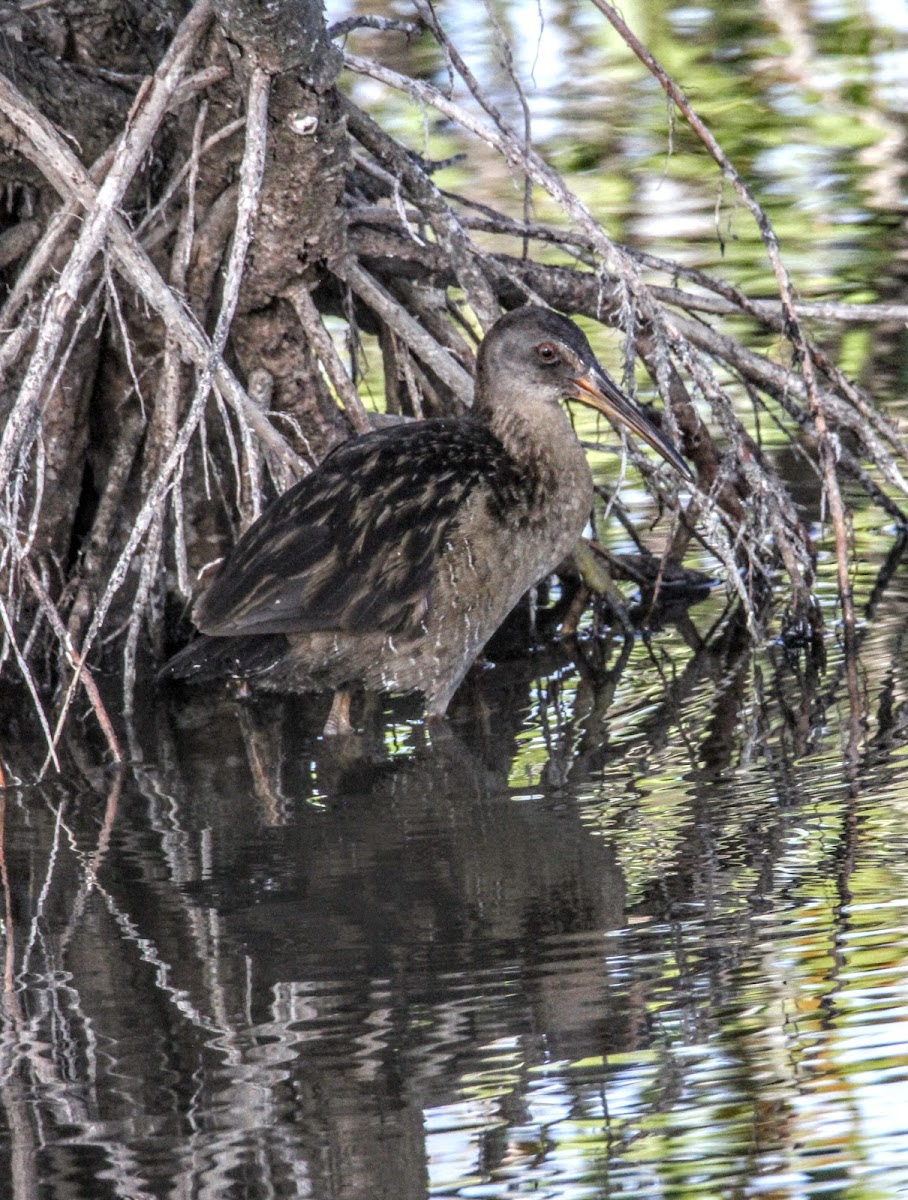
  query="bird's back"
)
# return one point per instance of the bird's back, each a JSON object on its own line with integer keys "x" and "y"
{"x": 353, "y": 547}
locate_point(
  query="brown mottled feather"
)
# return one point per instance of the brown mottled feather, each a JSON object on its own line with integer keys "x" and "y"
{"x": 329, "y": 558}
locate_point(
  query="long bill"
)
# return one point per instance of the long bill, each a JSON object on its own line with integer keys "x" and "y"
{"x": 596, "y": 390}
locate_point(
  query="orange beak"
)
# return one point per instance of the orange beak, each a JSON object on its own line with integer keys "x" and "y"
{"x": 596, "y": 390}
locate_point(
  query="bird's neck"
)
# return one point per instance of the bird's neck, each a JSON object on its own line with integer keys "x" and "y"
{"x": 539, "y": 435}
{"x": 546, "y": 456}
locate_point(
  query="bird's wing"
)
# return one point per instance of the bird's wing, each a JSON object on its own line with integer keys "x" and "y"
{"x": 352, "y": 546}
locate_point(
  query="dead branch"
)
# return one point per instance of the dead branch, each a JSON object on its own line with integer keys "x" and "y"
{"x": 250, "y": 182}
{"x": 397, "y": 318}
{"x": 789, "y": 305}
{"x": 147, "y": 112}
{"x": 321, "y": 342}
{"x": 398, "y": 258}
{"x": 68, "y": 177}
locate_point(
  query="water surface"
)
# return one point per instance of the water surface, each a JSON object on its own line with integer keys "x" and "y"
{"x": 607, "y": 934}
{"x": 635, "y": 924}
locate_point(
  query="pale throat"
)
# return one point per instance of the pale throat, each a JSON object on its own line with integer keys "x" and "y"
{"x": 541, "y": 429}
{"x": 540, "y": 438}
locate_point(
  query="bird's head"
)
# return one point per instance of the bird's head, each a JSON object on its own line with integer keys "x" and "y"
{"x": 535, "y": 354}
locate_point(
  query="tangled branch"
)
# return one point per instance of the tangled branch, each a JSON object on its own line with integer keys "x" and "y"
{"x": 194, "y": 259}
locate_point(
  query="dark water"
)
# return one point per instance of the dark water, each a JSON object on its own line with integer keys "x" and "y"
{"x": 635, "y": 930}
{"x": 636, "y": 924}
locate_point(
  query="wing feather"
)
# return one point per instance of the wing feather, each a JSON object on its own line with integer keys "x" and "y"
{"x": 353, "y": 546}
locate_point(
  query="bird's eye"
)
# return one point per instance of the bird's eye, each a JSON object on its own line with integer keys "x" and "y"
{"x": 547, "y": 352}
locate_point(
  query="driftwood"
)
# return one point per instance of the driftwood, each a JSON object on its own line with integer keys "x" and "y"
{"x": 166, "y": 363}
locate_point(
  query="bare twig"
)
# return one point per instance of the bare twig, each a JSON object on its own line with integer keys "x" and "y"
{"x": 29, "y": 683}
{"x": 42, "y": 255}
{"x": 207, "y": 146}
{"x": 404, "y": 168}
{"x": 383, "y": 24}
{"x": 250, "y": 185}
{"x": 324, "y": 347}
{"x": 501, "y": 138}
{"x": 164, "y": 420}
{"x": 802, "y": 350}
{"x": 50, "y": 153}
{"x": 80, "y": 673}
{"x": 436, "y": 357}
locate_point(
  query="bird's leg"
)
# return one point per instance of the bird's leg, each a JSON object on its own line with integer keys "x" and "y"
{"x": 339, "y": 716}
{"x": 597, "y": 578}
{"x": 438, "y": 728}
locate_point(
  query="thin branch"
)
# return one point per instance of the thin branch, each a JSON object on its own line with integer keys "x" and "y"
{"x": 251, "y": 170}
{"x": 29, "y": 683}
{"x": 321, "y": 342}
{"x": 404, "y": 168}
{"x": 501, "y": 138}
{"x": 383, "y": 24}
{"x": 83, "y": 675}
{"x": 52, "y": 156}
{"x": 435, "y": 357}
{"x": 207, "y": 146}
{"x": 164, "y": 421}
{"x": 789, "y": 305}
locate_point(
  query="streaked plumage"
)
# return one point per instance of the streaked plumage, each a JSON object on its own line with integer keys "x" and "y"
{"x": 391, "y": 565}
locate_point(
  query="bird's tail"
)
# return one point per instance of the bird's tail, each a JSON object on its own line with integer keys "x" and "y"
{"x": 209, "y": 658}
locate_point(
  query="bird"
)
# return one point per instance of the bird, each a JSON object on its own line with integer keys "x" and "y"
{"x": 389, "y": 566}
